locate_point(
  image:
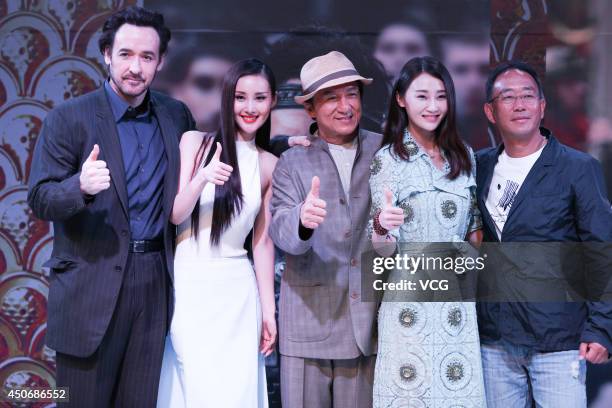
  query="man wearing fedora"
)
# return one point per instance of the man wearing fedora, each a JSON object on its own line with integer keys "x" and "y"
{"x": 320, "y": 207}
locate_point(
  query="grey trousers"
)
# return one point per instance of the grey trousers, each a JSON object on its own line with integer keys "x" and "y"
{"x": 315, "y": 383}
{"x": 124, "y": 370}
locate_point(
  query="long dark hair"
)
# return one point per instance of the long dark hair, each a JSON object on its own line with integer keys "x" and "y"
{"x": 228, "y": 197}
{"x": 446, "y": 136}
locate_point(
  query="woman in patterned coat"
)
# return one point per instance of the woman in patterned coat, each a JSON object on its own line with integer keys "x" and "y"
{"x": 423, "y": 190}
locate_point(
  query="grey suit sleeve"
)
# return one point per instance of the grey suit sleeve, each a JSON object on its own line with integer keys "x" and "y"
{"x": 278, "y": 145}
{"x": 285, "y": 205}
{"x": 54, "y": 188}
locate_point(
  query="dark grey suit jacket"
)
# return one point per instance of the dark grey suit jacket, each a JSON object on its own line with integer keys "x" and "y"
{"x": 91, "y": 238}
{"x": 321, "y": 314}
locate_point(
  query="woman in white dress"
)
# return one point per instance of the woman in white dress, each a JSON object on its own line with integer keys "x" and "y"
{"x": 223, "y": 323}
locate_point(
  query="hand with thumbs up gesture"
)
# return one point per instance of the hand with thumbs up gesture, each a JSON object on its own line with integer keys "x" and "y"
{"x": 390, "y": 217}
{"x": 313, "y": 211}
{"x": 95, "y": 176}
{"x": 216, "y": 171}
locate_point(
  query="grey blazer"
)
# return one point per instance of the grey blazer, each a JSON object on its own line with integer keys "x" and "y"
{"x": 320, "y": 310}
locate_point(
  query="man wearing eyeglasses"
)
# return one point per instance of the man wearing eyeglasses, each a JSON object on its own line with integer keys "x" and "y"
{"x": 532, "y": 188}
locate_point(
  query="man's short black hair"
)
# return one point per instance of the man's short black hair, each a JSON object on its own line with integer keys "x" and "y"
{"x": 137, "y": 16}
{"x": 507, "y": 66}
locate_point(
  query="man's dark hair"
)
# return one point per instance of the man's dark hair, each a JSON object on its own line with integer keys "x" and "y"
{"x": 507, "y": 66}
{"x": 137, "y": 16}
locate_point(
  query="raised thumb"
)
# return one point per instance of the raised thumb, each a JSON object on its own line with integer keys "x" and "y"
{"x": 93, "y": 156}
{"x": 217, "y": 154}
{"x": 314, "y": 187}
{"x": 388, "y": 197}
{"x": 583, "y": 350}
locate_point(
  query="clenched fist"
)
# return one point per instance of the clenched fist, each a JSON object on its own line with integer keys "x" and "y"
{"x": 313, "y": 210}
{"x": 216, "y": 171}
{"x": 594, "y": 353}
{"x": 95, "y": 176}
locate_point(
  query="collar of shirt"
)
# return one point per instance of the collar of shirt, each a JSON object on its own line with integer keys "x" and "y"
{"x": 415, "y": 151}
{"x": 412, "y": 147}
{"x": 122, "y": 110}
{"x": 356, "y": 141}
{"x": 346, "y": 146}
{"x": 549, "y": 153}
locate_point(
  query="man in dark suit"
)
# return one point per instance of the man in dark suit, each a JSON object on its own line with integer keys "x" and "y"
{"x": 105, "y": 171}
{"x": 534, "y": 189}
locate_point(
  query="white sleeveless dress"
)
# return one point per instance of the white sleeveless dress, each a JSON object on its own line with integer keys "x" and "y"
{"x": 212, "y": 356}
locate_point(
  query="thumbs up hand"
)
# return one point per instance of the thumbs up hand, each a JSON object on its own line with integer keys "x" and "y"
{"x": 390, "y": 217}
{"x": 216, "y": 171}
{"x": 95, "y": 176}
{"x": 313, "y": 210}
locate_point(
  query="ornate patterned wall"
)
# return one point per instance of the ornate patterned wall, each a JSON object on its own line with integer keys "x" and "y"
{"x": 48, "y": 53}
{"x": 519, "y": 30}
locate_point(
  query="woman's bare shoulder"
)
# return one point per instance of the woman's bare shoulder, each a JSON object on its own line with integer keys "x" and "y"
{"x": 267, "y": 161}
{"x": 192, "y": 139}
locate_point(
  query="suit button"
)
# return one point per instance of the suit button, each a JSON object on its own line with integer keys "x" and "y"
{"x": 342, "y": 201}
{"x": 354, "y": 295}
{"x": 347, "y": 233}
{"x": 353, "y": 262}
{"x": 118, "y": 268}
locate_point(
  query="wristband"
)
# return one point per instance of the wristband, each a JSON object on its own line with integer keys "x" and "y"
{"x": 377, "y": 227}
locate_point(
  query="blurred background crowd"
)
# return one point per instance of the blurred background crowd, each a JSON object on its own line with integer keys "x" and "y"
{"x": 207, "y": 40}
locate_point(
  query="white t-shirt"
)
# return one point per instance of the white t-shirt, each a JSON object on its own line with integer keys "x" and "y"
{"x": 344, "y": 157}
{"x": 508, "y": 177}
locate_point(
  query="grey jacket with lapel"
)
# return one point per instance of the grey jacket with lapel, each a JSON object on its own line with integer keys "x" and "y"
{"x": 321, "y": 314}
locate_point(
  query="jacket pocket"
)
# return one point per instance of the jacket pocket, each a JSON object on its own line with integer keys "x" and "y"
{"x": 308, "y": 313}
{"x": 299, "y": 270}
{"x": 59, "y": 263}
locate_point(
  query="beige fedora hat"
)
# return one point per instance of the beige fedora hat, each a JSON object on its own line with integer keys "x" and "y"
{"x": 326, "y": 71}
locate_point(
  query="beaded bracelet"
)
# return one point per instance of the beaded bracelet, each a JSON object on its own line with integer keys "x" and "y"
{"x": 379, "y": 229}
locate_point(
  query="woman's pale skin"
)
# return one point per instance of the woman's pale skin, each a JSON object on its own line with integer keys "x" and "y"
{"x": 253, "y": 101}
{"x": 426, "y": 105}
